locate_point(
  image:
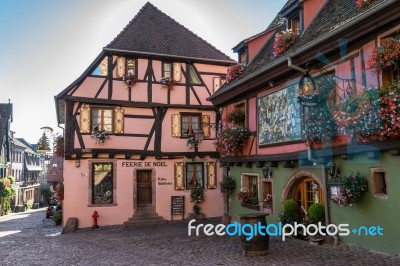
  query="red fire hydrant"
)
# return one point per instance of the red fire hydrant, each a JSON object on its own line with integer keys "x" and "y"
{"x": 95, "y": 215}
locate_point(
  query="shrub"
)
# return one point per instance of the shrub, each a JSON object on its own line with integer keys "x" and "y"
{"x": 57, "y": 218}
{"x": 291, "y": 212}
{"x": 316, "y": 212}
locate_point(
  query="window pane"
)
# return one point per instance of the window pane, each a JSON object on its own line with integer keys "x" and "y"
{"x": 195, "y": 122}
{"x": 107, "y": 120}
{"x": 167, "y": 70}
{"x": 96, "y": 119}
{"x": 185, "y": 125}
{"x": 130, "y": 63}
{"x": 194, "y": 175}
{"x": 194, "y": 78}
{"x": 102, "y": 183}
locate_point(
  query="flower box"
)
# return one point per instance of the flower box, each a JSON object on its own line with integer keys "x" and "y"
{"x": 284, "y": 40}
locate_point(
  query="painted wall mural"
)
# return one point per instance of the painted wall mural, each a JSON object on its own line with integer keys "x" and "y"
{"x": 279, "y": 116}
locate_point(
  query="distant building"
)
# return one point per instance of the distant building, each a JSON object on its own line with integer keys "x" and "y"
{"x": 5, "y": 121}
{"x": 25, "y": 166}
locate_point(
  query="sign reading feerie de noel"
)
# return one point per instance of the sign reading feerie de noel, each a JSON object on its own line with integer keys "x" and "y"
{"x": 144, "y": 164}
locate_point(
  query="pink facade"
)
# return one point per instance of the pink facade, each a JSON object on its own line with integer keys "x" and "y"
{"x": 143, "y": 106}
{"x": 254, "y": 45}
{"x": 311, "y": 9}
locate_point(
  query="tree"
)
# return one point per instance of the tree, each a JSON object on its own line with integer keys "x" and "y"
{"x": 58, "y": 145}
{"x": 44, "y": 143}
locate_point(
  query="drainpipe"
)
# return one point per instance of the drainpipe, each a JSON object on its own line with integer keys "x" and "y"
{"x": 300, "y": 69}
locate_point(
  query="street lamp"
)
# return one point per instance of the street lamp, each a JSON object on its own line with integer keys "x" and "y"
{"x": 333, "y": 169}
{"x": 266, "y": 172}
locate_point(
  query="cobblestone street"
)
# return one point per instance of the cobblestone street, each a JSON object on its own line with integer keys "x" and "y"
{"x": 30, "y": 239}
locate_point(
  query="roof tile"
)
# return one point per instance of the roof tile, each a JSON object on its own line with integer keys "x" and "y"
{"x": 152, "y": 31}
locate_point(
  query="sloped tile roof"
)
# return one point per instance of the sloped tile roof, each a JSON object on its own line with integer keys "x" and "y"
{"x": 152, "y": 31}
{"x": 333, "y": 15}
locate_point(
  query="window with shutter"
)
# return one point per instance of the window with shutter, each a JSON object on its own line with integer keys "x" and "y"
{"x": 126, "y": 67}
{"x": 102, "y": 119}
{"x": 190, "y": 122}
{"x": 211, "y": 175}
{"x": 179, "y": 176}
{"x": 194, "y": 175}
{"x": 84, "y": 114}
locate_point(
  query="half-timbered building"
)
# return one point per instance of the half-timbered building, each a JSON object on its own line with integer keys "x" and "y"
{"x": 138, "y": 126}
{"x": 320, "y": 96}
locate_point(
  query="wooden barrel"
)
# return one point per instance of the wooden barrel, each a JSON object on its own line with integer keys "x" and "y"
{"x": 258, "y": 244}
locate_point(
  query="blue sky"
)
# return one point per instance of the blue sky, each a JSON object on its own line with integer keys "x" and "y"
{"x": 47, "y": 44}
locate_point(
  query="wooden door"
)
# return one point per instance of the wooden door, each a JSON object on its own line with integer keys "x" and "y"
{"x": 144, "y": 186}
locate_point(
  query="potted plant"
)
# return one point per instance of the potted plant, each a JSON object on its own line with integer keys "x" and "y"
{"x": 192, "y": 142}
{"x": 291, "y": 213}
{"x": 316, "y": 214}
{"x": 351, "y": 188}
{"x": 167, "y": 82}
{"x": 197, "y": 196}
{"x": 99, "y": 135}
{"x": 267, "y": 201}
{"x": 236, "y": 116}
{"x": 226, "y": 186}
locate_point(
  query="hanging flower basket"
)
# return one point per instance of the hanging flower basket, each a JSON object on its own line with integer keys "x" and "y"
{"x": 351, "y": 189}
{"x": 167, "y": 82}
{"x": 386, "y": 55}
{"x": 100, "y": 136}
{"x": 233, "y": 72}
{"x": 284, "y": 40}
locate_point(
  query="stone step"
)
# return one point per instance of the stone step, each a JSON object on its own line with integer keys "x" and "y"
{"x": 133, "y": 224}
{"x": 144, "y": 218}
{"x": 145, "y": 214}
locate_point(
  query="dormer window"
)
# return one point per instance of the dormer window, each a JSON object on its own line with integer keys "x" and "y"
{"x": 243, "y": 58}
{"x": 293, "y": 14}
{"x": 295, "y": 23}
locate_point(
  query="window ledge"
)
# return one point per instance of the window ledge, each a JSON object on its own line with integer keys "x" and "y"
{"x": 103, "y": 205}
{"x": 381, "y": 196}
{"x": 250, "y": 206}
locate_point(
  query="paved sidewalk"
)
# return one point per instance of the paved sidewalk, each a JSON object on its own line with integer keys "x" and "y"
{"x": 30, "y": 239}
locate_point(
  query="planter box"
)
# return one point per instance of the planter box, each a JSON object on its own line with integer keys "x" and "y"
{"x": 250, "y": 206}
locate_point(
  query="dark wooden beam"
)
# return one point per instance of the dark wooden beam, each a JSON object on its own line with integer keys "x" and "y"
{"x": 107, "y": 102}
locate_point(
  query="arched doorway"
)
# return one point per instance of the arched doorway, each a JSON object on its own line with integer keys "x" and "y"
{"x": 305, "y": 188}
